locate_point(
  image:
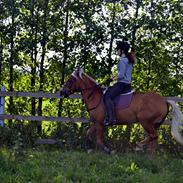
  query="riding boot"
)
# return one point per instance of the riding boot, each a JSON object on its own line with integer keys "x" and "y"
{"x": 110, "y": 118}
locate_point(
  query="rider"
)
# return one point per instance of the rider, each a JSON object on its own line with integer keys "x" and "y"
{"x": 123, "y": 79}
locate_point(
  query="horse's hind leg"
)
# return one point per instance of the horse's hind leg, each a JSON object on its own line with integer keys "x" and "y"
{"x": 154, "y": 143}
{"x": 151, "y": 139}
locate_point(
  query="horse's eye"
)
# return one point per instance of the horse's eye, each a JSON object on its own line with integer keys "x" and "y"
{"x": 70, "y": 83}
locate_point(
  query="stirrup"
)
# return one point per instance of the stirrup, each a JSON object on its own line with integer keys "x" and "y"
{"x": 110, "y": 122}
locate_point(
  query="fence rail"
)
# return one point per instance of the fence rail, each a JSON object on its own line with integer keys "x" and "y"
{"x": 36, "y": 95}
{"x": 44, "y": 118}
{"x": 4, "y": 94}
{"x": 56, "y": 95}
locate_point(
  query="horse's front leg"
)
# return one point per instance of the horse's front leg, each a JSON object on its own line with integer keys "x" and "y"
{"x": 89, "y": 138}
{"x": 100, "y": 138}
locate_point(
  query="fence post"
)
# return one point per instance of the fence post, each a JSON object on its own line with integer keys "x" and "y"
{"x": 2, "y": 104}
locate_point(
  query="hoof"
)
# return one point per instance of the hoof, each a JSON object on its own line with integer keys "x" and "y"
{"x": 113, "y": 152}
{"x": 89, "y": 151}
{"x": 106, "y": 150}
{"x": 139, "y": 147}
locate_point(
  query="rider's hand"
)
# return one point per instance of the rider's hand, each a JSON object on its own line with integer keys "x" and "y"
{"x": 114, "y": 78}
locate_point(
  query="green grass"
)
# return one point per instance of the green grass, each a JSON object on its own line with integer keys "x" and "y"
{"x": 57, "y": 166}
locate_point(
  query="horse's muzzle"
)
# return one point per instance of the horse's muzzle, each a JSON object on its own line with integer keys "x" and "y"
{"x": 65, "y": 93}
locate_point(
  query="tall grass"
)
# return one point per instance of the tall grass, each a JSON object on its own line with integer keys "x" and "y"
{"x": 57, "y": 166}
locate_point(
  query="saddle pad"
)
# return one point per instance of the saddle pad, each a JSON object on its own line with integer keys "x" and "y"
{"x": 123, "y": 101}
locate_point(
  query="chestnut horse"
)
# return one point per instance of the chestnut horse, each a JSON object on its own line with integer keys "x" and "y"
{"x": 149, "y": 109}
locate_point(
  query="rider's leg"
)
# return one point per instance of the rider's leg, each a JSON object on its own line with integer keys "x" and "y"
{"x": 111, "y": 93}
{"x": 110, "y": 112}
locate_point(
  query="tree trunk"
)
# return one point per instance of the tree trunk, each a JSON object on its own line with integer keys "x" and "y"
{"x": 41, "y": 76}
{"x": 12, "y": 55}
{"x": 65, "y": 54}
{"x": 135, "y": 27}
{"x": 112, "y": 38}
{"x": 33, "y": 53}
{"x": 1, "y": 59}
{"x": 149, "y": 55}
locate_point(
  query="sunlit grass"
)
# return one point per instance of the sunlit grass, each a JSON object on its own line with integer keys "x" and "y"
{"x": 67, "y": 166}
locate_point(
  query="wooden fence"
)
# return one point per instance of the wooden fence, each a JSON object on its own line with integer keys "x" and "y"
{"x": 4, "y": 94}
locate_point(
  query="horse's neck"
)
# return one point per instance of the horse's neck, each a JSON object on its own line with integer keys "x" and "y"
{"x": 88, "y": 82}
{"x": 87, "y": 85}
{"x": 90, "y": 93}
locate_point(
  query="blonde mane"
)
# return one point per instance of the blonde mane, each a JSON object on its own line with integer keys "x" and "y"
{"x": 81, "y": 72}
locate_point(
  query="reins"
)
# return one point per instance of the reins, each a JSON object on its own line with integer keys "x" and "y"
{"x": 91, "y": 93}
{"x": 96, "y": 105}
{"x": 94, "y": 88}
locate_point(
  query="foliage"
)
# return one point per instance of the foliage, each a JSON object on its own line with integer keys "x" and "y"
{"x": 41, "y": 42}
{"x": 66, "y": 166}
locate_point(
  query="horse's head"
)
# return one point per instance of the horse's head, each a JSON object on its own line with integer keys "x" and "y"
{"x": 72, "y": 84}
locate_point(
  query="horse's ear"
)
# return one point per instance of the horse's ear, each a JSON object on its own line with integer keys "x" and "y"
{"x": 80, "y": 72}
{"x": 77, "y": 68}
{"x": 75, "y": 73}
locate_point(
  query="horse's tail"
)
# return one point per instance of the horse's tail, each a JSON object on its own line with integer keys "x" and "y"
{"x": 177, "y": 122}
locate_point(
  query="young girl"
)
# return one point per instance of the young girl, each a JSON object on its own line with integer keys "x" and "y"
{"x": 123, "y": 79}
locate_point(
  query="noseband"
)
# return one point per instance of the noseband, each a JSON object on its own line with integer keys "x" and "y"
{"x": 67, "y": 87}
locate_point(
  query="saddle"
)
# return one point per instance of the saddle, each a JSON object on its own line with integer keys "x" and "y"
{"x": 123, "y": 100}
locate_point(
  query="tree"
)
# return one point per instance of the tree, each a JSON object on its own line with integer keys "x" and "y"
{"x": 43, "y": 53}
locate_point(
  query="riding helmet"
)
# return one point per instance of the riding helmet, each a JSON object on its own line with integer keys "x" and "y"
{"x": 122, "y": 45}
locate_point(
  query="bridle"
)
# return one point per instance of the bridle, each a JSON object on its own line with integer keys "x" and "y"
{"x": 67, "y": 87}
{"x": 69, "y": 91}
